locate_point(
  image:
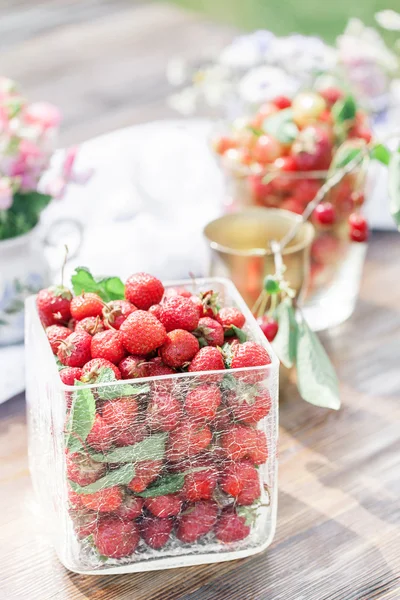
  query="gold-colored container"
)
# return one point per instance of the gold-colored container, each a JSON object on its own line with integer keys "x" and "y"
{"x": 240, "y": 249}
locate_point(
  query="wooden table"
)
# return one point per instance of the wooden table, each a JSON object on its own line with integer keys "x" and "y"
{"x": 338, "y": 521}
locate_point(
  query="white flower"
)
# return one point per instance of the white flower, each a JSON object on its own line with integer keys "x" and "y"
{"x": 388, "y": 19}
{"x": 303, "y": 54}
{"x": 185, "y": 101}
{"x": 247, "y": 51}
{"x": 363, "y": 45}
{"x": 264, "y": 83}
{"x": 177, "y": 71}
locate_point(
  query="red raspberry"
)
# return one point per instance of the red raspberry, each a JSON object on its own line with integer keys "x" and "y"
{"x": 92, "y": 369}
{"x": 188, "y": 440}
{"x": 163, "y": 412}
{"x": 146, "y": 472}
{"x": 155, "y": 310}
{"x": 85, "y": 523}
{"x": 116, "y": 538}
{"x": 244, "y": 442}
{"x": 70, "y": 374}
{"x": 196, "y": 521}
{"x": 156, "y": 532}
{"x": 142, "y": 333}
{"x": 53, "y": 305}
{"x": 202, "y": 402}
{"x": 200, "y": 485}
{"x": 179, "y": 348}
{"x": 55, "y": 333}
{"x": 120, "y": 413}
{"x": 82, "y": 469}
{"x": 231, "y": 527}
{"x": 91, "y": 325}
{"x": 106, "y": 500}
{"x": 268, "y": 326}
{"x": 133, "y": 367}
{"x": 100, "y": 436}
{"x": 231, "y": 316}
{"x": 249, "y": 354}
{"x": 241, "y": 480}
{"x": 164, "y": 506}
{"x": 358, "y": 228}
{"x": 143, "y": 290}
{"x": 115, "y": 313}
{"x": 179, "y": 313}
{"x": 74, "y": 351}
{"x": 108, "y": 345}
{"x": 324, "y": 214}
{"x": 128, "y": 437}
{"x": 207, "y": 359}
{"x": 131, "y": 508}
{"x": 249, "y": 407}
{"x": 211, "y": 331}
{"x": 87, "y": 304}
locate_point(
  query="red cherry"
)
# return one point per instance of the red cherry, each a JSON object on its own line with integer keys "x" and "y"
{"x": 358, "y": 228}
{"x": 286, "y": 163}
{"x": 282, "y": 102}
{"x": 294, "y": 205}
{"x": 268, "y": 326}
{"x": 324, "y": 214}
{"x": 358, "y": 198}
{"x": 304, "y": 190}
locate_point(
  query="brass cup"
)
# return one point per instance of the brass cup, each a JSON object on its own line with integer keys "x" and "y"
{"x": 240, "y": 249}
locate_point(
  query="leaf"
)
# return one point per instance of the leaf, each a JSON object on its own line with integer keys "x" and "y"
{"x": 81, "y": 418}
{"x": 109, "y": 288}
{"x": 120, "y": 476}
{"x": 59, "y": 364}
{"x": 344, "y": 109}
{"x": 240, "y": 334}
{"x": 114, "y": 288}
{"x": 344, "y": 154}
{"x": 381, "y": 153}
{"x": 170, "y": 484}
{"x": 255, "y": 130}
{"x": 394, "y": 187}
{"x": 152, "y": 448}
{"x": 281, "y": 126}
{"x": 316, "y": 377}
{"x": 119, "y": 390}
{"x": 285, "y": 341}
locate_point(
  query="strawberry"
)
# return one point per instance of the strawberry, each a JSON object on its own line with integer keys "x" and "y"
{"x": 249, "y": 354}
{"x": 85, "y": 523}
{"x": 187, "y": 440}
{"x": 210, "y": 331}
{"x": 202, "y": 402}
{"x": 143, "y": 290}
{"x": 87, "y": 304}
{"x": 209, "y": 301}
{"x": 133, "y": 367}
{"x": 54, "y": 305}
{"x": 164, "y": 506}
{"x": 249, "y": 407}
{"x": 116, "y": 311}
{"x": 108, "y": 345}
{"x": 231, "y": 527}
{"x": 131, "y": 508}
{"x": 74, "y": 351}
{"x": 179, "y": 313}
{"x": 74, "y": 500}
{"x": 141, "y": 333}
{"x": 130, "y": 436}
{"x": 106, "y": 500}
{"x": 70, "y": 374}
{"x": 229, "y": 316}
{"x": 244, "y": 442}
{"x": 155, "y": 367}
{"x": 163, "y": 412}
{"x": 179, "y": 348}
{"x": 146, "y": 472}
{"x": 156, "y": 532}
{"x": 91, "y": 325}
{"x": 155, "y": 310}
{"x": 120, "y": 413}
{"x": 92, "y": 369}
{"x": 100, "y": 436}
{"x": 200, "y": 485}
{"x": 55, "y": 333}
{"x": 177, "y": 291}
{"x": 116, "y": 538}
{"x": 82, "y": 469}
{"x": 207, "y": 359}
{"x": 222, "y": 420}
{"x": 241, "y": 480}
{"x": 197, "y": 520}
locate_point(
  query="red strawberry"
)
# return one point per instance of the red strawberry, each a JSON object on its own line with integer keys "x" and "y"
{"x": 229, "y": 316}
{"x": 222, "y": 420}
{"x": 131, "y": 508}
{"x": 130, "y": 436}
{"x": 74, "y": 351}
{"x": 74, "y": 500}
{"x": 146, "y": 472}
{"x": 82, "y": 469}
{"x": 249, "y": 407}
{"x": 116, "y": 311}
{"x": 92, "y": 369}
{"x": 108, "y": 345}
{"x": 120, "y": 413}
{"x": 249, "y": 354}
{"x": 142, "y": 333}
{"x": 164, "y": 506}
{"x": 100, "y": 436}
{"x": 211, "y": 331}
{"x": 116, "y": 538}
{"x": 177, "y": 291}
{"x": 202, "y": 402}
{"x": 55, "y": 333}
{"x": 209, "y": 301}
{"x": 156, "y": 532}
{"x": 143, "y": 290}
{"x": 188, "y": 440}
{"x": 155, "y": 310}
{"x": 91, "y": 325}
{"x": 155, "y": 367}
{"x": 179, "y": 313}
{"x": 200, "y": 485}
{"x": 196, "y": 521}
{"x": 163, "y": 412}
{"x": 241, "y": 480}
{"x": 70, "y": 374}
{"x": 231, "y": 527}
{"x": 87, "y": 304}
{"x": 53, "y": 305}
{"x": 207, "y": 359}
{"x": 244, "y": 442}
{"x": 106, "y": 500}
{"x": 85, "y": 523}
{"x": 133, "y": 367}
{"x": 179, "y": 348}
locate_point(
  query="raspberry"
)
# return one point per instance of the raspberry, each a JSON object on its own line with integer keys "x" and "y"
{"x": 231, "y": 316}
{"x": 85, "y": 523}
{"x": 116, "y": 538}
{"x": 155, "y": 310}
{"x": 179, "y": 313}
{"x": 268, "y": 326}
{"x": 143, "y": 290}
{"x": 164, "y": 506}
{"x": 106, "y": 500}
{"x": 202, "y": 402}
{"x": 130, "y": 436}
{"x": 188, "y": 440}
{"x": 115, "y": 313}
{"x": 163, "y": 412}
{"x": 55, "y": 333}
{"x": 249, "y": 354}
{"x": 100, "y": 436}
{"x": 200, "y": 485}
{"x": 120, "y": 413}
{"x": 196, "y": 521}
{"x": 74, "y": 351}
{"x": 244, "y": 442}
{"x": 54, "y": 305}
{"x": 108, "y": 345}
{"x": 131, "y": 508}
{"x": 91, "y": 325}
{"x": 156, "y": 532}
{"x": 142, "y": 333}
{"x": 207, "y": 359}
{"x": 231, "y": 527}
{"x": 241, "y": 480}
{"x": 87, "y": 304}
{"x": 211, "y": 331}
{"x": 180, "y": 347}
{"x": 92, "y": 369}
{"x": 249, "y": 407}
{"x": 82, "y": 469}
{"x": 70, "y": 374}
{"x": 146, "y": 472}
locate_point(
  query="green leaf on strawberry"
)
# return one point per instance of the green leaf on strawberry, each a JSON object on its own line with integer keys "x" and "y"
{"x": 170, "y": 484}
{"x": 121, "y": 476}
{"x": 381, "y": 153}
{"x": 152, "y": 448}
{"x": 235, "y": 331}
{"x": 119, "y": 390}
{"x": 285, "y": 341}
{"x": 281, "y": 126}
{"x": 81, "y": 418}
{"x": 344, "y": 109}
{"x": 394, "y": 187}
{"x": 108, "y": 288}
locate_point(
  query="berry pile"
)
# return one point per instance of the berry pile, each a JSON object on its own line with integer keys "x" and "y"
{"x": 169, "y": 459}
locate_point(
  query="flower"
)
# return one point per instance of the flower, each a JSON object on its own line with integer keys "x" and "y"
{"x": 43, "y": 114}
{"x": 303, "y": 55}
{"x": 264, "y": 83}
{"x": 247, "y": 51}
{"x": 388, "y": 19}
{"x": 6, "y": 194}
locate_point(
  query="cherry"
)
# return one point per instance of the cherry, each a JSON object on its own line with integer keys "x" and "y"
{"x": 358, "y": 228}
{"x": 360, "y": 132}
{"x": 286, "y": 164}
{"x": 266, "y": 149}
{"x": 357, "y": 198}
{"x": 268, "y": 326}
{"x": 331, "y": 94}
{"x": 282, "y": 102}
{"x": 324, "y": 214}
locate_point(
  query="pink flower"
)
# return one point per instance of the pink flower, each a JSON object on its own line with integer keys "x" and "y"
{"x": 57, "y": 186}
{"x": 6, "y": 194}
{"x": 43, "y": 114}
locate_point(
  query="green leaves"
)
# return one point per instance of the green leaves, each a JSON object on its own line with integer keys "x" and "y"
{"x": 121, "y": 476}
{"x": 170, "y": 484}
{"x": 316, "y": 378}
{"x": 344, "y": 110}
{"x": 394, "y": 187}
{"x": 109, "y": 288}
{"x": 81, "y": 418}
{"x": 381, "y": 153}
{"x": 344, "y": 154}
{"x": 235, "y": 331}
{"x": 281, "y": 126}
{"x": 23, "y": 214}
{"x": 285, "y": 342}
{"x": 119, "y": 390}
{"x": 152, "y": 448}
